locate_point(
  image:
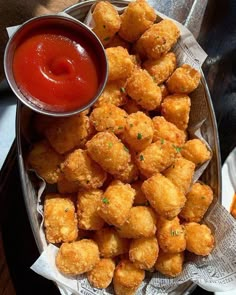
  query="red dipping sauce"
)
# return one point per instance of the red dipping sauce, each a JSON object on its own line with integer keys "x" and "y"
{"x": 56, "y": 69}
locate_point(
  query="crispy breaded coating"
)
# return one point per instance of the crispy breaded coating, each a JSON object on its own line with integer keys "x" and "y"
{"x": 175, "y": 109}
{"x": 170, "y": 264}
{"x": 159, "y": 39}
{"x": 185, "y": 79}
{"x": 181, "y": 173}
{"x": 109, "y": 117}
{"x": 79, "y": 167}
{"x": 106, "y": 21}
{"x": 164, "y": 196}
{"x": 143, "y": 252}
{"x": 167, "y": 131}
{"x": 65, "y": 134}
{"x": 161, "y": 69}
{"x": 120, "y": 63}
{"x": 87, "y": 204}
{"x": 45, "y": 161}
{"x": 141, "y": 222}
{"x": 77, "y": 257}
{"x": 196, "y": 151}
{"x": 199, "y": 239}
{"x": 127, "y": 278}
{"x": 109, "y": 242}
{"x": 132, "y": 107}
{"x": 102, "y": 273}
{"x": 60, "y": 220}
{"x": 139, "y": 198}
{"x": 156, "y": 157}
{"x": 109, "y": 152}
{"x": 198, "y": 201}
{"x": 116, "y": 203}
{"x": 136, "y": 19}
{"x": 65, "y": 186}
{"x": 171, "y": 235}
{"x": 130, "y": 174}
{"x": 118, "y": 41}
{"x": 164, "y": 91}
{"x": 141, "y": 87}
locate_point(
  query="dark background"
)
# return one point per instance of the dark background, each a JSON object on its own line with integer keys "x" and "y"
{"x": 218, "y": 39}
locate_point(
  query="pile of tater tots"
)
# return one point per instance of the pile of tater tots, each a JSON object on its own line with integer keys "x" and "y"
{"x": 125, "y": 201}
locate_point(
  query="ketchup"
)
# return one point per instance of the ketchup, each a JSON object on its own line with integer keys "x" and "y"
{"x": 56, "y": 69}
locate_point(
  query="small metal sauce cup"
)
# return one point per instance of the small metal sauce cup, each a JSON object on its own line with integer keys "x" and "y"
{"x": 75, "y": 26}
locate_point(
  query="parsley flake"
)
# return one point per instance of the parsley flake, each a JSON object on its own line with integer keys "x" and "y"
{"x": 162, "y": 140}
{"x": 139, "y": 136}
{"x": 110, "y": 144}
{"x": 174, "y": 233}
{"x": 105, "y": 201}
{"x": 177, "y": 148}
{"x": 141, "y": 157}
{"x": 122, "y": 89}
{"x": 106, "y": 39}
{"x": 125, "y": 148}
{"x": 120, "y": 127}
{"x": 131, "y": 125}
{"x": 203, "y": 197}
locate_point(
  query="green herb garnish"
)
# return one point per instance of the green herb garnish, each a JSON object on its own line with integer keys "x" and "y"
{"x": 177, "y": 148}
{"x": 106, "y": 39}
{"x": 105, "y": 201}
{"x": 141, "y": 157}
{"x": 125, "y": 148}
{"x": 122, "y": 89}
{"x": 110, "y": 144}
{"x": 139, "y": 136}
{"x": 162, "y": 140}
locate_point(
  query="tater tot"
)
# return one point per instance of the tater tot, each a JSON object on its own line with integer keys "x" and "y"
{"x": 141, "y": 87}
{"x": 132, "y": 107}
{"x": 106, "y": 21}
{"x": 156, "y": 157}
{"x": 170, "y": 264}
{"x": 77, "y": 257}
{"x": 185, "y": 79}
{"x": 65, "y": 134}
{"x": 109, "y": 152}
{"x": 161, "y": 69}
{"x": 60, "y": 219}
{"x": 130, "y": 174}
{"x": 181, "y": 174}
{"x": 136, "y": 19}
{"x": 175, "y": 109}
{"x": 127, "y": 278}
{"x": 109, "y": 117}
{"x": 198, "y": 201}
{"x": 167, "y": 131}
{"x": 139, "y": 198}
{"x": 196, "y": 151}
{"x": 171, "y": 235}
{"x": 143, "y": 252}
{"x": 120, "y": 63}
{"x": 79, "y": 167}
{"x": 199, "y": 239}
{"x": 118, "y": 41}
{"x": 102, "y": 273}
{"x": 45, "y": 161}
{"x": 87, "y": 204}
{"x": 164, "y": 196}
{"x": 65, "y": 186}
{"x": 138, "y": 132}
{"x": 159, "y": 39}
{"x": 109, "y": 242}
{"x": 116, "y": 203}
{"x": 164, "y": 91}
{"x": 141, "y": 222}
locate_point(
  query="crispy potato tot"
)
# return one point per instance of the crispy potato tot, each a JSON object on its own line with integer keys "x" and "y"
{"x": 60, "y": 219}
{"x": 65, "y": 186}
{"x": 45, "y": 161}
{"x": 196, "y": 151}
{"x": 130, "y": 174}
{"x": 164, "y": 196}
{"x": 164, "y": 91}
{"x": 181, "y": 174}
{"x": 139, "y": 198}
{"x": 141, "y": 222}
{"x": 79, "y": 167}
{"x": 198, "y": 201}
{"x": 175, "y": 109}
{"x": 138, "y": 132}
{"x": 132, "y": 107}
{"x": 136, "y": 19}
{"x": 185, "y": 79}
{"x": 106, "y": 21}
{"x": 109, "y": 152}
{"x": 109, "y": 117}
{"x": 116, "y": 203}
{"x": 167, "y": 131}
{"x": 158, "y": 39}
{"x": 102, "y": 273}
{"x": 171, "y": 235}
{"x": 161, "y": 69}
{"x": 199, "y": 239}
{"x": 109, "y": 242}
{"x": 65, "y": 134}
{"x": 170, "y": 264}
{"x": 120, "y": 63}
{"x": 143, "y": 252}
{"x": 127, "y": 278}
{"x": 156, "y": 157}
{"x": 141, "y": 87}
{"x": 118, "y": 41}
{"x": 77, "y": 257}
{"x": 87, "y": 204}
